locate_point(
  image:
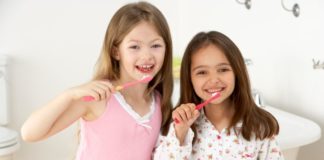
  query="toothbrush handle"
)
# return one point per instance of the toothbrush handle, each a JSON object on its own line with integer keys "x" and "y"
{"x": 90, "y": 98}
{"x": 87, "y": 98}
{"x": 198, "y": 107}
{"x": 120, "y": 87}
{"x": 201, "y": 105}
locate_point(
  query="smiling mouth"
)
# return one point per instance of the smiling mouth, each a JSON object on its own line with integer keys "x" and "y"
{"x": 212, "y": 91}
{"x": 145, "y": 68}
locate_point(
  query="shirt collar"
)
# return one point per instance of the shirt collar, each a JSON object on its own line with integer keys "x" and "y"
{"x": 203, "y": 122}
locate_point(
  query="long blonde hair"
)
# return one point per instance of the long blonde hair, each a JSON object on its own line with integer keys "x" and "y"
{"x": 123, "y": 21}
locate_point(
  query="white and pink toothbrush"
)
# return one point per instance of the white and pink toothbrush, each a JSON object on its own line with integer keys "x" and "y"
{"x": 144, "y": 79}
{"x": 201, "y": 105}
{"x": 213, "y": 97}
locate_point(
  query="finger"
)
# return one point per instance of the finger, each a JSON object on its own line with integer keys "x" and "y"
{"x": 176, "y": 117}
{"x": 101, "y": 86}
{"x": 97, "y": 91}
{"x": 108, "y": 85}
{"x": 192, "y": 106}
{"x": 102, "y": 93}
{"x": 109, "y": 88}
{"x": 188, "y": 112}
{"x": 183, "y": 115}
{"x": 104, "y": 88}
{"x": 93, "y": 93}
{"x": 196, "y": 114}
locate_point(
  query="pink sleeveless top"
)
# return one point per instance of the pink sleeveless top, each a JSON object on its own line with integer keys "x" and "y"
{"x": 116, "y": 135}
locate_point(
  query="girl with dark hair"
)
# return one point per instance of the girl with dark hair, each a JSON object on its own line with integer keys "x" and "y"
{"x": 229, "y": 127}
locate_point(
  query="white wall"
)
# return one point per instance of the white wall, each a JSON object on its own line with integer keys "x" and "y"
{"x": 54, "y": 45}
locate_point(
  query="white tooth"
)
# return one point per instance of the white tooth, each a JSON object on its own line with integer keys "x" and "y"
{"x": 146, "y": 66}
{"x": 213, "y": 90}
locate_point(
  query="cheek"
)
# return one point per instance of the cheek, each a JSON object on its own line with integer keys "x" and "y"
{"x": 159, "y": 60}
{"x": 197, "y": 84}
{"x": 160, "y": 56}
{"x": 126, "y": 62}
{"x": 231, "y": 82}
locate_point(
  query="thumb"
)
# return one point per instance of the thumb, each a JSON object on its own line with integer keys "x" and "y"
{"x": 196, "y": 114}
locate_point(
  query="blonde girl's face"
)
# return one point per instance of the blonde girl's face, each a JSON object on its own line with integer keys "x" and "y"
{"x": 211, "y": 72}
{"x": 141, "y": 52}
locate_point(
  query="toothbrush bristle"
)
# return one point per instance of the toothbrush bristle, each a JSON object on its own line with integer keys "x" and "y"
{"x": 215, "y": 95}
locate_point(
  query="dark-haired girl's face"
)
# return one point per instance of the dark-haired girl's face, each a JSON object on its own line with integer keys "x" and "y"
{"x": 211, "y": 72}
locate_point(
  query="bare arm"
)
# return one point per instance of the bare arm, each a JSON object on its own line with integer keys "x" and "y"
{"x": 63, "y": 110}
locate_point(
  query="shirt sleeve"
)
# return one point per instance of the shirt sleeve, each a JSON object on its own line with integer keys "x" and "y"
{"x": 270, "y": 150}
{"x": 168, "y": 147}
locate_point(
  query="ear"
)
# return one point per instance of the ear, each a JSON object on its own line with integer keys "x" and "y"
{"x": 115, "y": 53}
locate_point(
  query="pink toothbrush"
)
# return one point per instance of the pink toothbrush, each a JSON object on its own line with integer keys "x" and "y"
{"x": 144, "y": 79}
{"x": 214, "y": 96}
{"x": 201, "y": 105}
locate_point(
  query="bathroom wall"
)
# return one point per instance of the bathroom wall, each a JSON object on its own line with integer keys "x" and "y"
{"x": 54, "y": 45}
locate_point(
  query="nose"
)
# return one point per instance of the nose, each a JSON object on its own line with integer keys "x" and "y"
{"x": 147, "y": 54}
{"x": 214, "y": 78}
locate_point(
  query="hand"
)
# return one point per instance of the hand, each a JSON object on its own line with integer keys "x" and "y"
{"x": 97, "y": 90}
{"x": 186, "y": 115}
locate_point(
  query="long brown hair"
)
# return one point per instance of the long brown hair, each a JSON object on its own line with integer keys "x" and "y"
{"x": 256, "y": 121}
{"x": 123, "y": 21}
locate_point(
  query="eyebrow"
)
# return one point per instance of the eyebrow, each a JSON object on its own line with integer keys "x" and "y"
{"x": 205, "y": 66}
{"x": 138, "y": 41}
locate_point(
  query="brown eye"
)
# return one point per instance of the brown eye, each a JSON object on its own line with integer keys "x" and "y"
{"x": 223, "y": 70}
{"x": 156, "y": 46}
{"x": 134, "y": 47}
{"x": 201, "y": 72}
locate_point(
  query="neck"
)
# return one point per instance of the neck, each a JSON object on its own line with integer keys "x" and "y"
{"x": 220, "y": 115}
{"x": 136, "y": 92}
